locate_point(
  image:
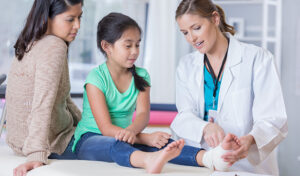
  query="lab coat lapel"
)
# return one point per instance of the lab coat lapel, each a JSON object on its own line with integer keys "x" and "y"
{"x": 234, "y": 58}
{"x": 200, "y": 81}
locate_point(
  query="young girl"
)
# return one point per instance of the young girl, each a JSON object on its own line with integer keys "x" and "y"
{"x": 113, "y": 91}
{"x": 40, "y": 113}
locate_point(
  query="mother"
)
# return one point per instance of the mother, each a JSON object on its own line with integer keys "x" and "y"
{"x": 41, "y": 116}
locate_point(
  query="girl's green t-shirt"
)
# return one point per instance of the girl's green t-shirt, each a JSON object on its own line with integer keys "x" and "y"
{"x": 120, "y": 105}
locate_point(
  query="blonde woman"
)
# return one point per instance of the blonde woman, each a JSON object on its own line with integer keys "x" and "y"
{"x": 227, "y": 86}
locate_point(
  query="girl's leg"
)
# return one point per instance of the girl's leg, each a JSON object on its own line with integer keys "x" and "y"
{"x": 153, "y": 162}
{"x": 193, "y": 156}
{"x": 95, "y": 147}
{"x": 189, "y": 156}
{"x": 186, "y": 157}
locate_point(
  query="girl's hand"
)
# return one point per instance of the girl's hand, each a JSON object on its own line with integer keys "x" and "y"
{"x": 242, "y": 151}
{"x": 126, "y": 135}
{"x": 213, "y": 134}
{"x": 158, "y": 139}
{"x": 22, "y": 169}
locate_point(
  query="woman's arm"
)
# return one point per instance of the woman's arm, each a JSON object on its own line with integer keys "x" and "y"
{"x": 188, "y": 124}
{"x": 269, "y": 116}
{"x": 48, "y": 72}
{"x": 76, "y": 113}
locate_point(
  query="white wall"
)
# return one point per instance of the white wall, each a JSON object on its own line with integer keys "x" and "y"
{"x": 289, "y": 150}
{"x": 160, "y": 51}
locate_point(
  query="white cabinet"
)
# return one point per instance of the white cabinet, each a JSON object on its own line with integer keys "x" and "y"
{"x": 260, "y": 22}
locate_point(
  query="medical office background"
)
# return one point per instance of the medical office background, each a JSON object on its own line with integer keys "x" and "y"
{"x": 272, "y": 24}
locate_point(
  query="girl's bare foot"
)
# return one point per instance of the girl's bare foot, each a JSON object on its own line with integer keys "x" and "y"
{"x": 230, "y": 142}
{"x": 155, "y": 161}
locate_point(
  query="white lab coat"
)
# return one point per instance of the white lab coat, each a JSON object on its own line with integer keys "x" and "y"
{"x": 250, "y": 102}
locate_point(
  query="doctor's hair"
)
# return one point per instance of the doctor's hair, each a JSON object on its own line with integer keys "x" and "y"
{"x": 204, "y": 8}
{"x": 110, "y": 29}
{"x": 37, "y": 22}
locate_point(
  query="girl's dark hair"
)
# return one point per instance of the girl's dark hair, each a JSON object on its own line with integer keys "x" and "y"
{"x": 110, "y": 29}
{"x": 204, "y": 8}
{"x": 37, "y": 22}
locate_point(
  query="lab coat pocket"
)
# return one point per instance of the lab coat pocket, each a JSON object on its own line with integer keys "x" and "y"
{"x": 242, "y": 107}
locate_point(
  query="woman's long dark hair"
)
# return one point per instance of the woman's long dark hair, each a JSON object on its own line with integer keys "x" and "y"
{"x": 37, "y": 22}
{"x": 110, "y": 29}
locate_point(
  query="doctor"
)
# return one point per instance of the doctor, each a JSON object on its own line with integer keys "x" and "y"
{"x": 227, "y": 87}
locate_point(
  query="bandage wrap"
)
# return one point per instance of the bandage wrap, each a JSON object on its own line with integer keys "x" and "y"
{"x": 212, "y": 159}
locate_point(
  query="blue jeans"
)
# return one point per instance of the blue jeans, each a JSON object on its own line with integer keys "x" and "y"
{"x": 68, "y": 154}
{"x": 96, "y": 147}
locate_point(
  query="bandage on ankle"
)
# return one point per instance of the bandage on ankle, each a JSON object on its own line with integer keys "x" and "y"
{"x": 212, "y": 159}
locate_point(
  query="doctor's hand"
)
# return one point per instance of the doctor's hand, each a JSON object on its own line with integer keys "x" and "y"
{"x": 213, "y": 134}
{"x": 22, "y": 169}
{"x": 242, "y": 152}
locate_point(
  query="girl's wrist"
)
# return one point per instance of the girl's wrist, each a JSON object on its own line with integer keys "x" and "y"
{"x": 132, "y": 130}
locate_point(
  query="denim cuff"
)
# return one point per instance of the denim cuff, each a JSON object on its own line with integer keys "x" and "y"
{"x": 187, "y": 156}
{"x": 121, "y": 152}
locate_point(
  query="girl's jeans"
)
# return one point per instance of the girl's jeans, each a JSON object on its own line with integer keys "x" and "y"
{"x": 96, "y": 147}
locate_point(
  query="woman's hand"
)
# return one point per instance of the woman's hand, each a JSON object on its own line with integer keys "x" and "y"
{"x": 126, "y": 135}
{"x": 242, "y": 151}
{"x": 158, "y": 139}
{"x": 22, "y": 169}
{"x": 213, "y": 134}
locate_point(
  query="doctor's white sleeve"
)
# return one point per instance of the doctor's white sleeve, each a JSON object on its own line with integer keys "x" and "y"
{"x": 269, "y": 115}
{"x": 187, "y": 124}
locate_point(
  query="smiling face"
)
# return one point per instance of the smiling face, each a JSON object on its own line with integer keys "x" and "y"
{"x": 200, "y": 32}
{"x": 125, "y": 51}
{"x": 66, "y": 24}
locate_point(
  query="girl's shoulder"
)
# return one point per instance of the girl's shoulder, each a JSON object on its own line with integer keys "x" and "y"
{"x": 99, "y": 77}
{"x": 98, "y": 72}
